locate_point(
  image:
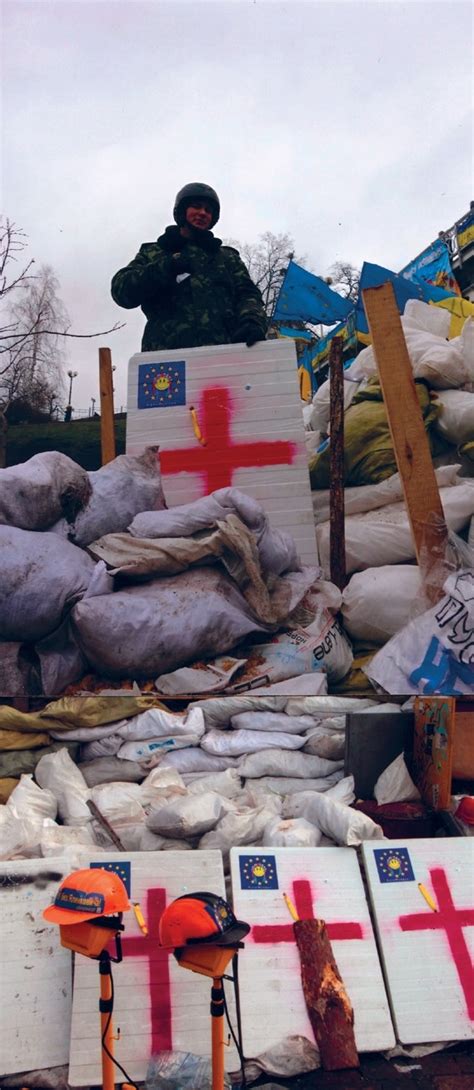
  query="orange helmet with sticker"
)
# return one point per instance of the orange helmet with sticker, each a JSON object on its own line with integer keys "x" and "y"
{"x": 86, "y": 895}
{"x": 200, "y": 918}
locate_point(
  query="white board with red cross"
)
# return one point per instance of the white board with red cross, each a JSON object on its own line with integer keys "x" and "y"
{"x": 324, "y": 883}
{"x": 246, "y": 406}
{"x": 158, "y": 1005}
{"x": 426, "y": 935}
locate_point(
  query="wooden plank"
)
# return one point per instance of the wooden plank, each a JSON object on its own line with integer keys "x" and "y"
{"x": 326, "y": 883}
{"x": 433, "y": 749}
{"x": 246, "y": 402}
{"x": 336, "y": 495}
{"x": 409, "y": 439}
{"x": 158, "y": 1005}
{"x": 427, "y": 954}
{"x": 107, "y": 431}
{"x": 36, "y": 987}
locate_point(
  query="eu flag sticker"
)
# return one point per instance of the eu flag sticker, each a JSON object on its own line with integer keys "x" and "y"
{"x": 394, "y": 865}
{"x": 122, "y": 869}
{"x": 258, "y": 872}
{"x": 161, "y": 385}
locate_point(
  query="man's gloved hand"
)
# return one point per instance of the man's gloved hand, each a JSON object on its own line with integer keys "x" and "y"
{"x": 249, "y": 332}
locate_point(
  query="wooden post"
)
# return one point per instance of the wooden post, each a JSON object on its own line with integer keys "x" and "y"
{"x": 410, "y": 443}
{"x": 336, "y": 495}
{"x": 107, "y": 432}
{"x": 329, "y": 1008}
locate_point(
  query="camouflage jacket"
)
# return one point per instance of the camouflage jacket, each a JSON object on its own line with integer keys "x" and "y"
{"x": 206, "y": 307}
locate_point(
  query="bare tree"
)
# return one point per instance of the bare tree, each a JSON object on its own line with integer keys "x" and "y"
{"x": 344, "y": 278}
{"x": 267, "y": 261}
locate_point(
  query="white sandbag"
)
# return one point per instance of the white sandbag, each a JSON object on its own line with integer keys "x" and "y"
{"x": 456, "y": 420}
{"x": 367, "y": 497}
{"x": 86, "y": 734}
{"x": 42, "y": 578}
{"x": 20, "y": 837}
{"x": 323, "y": 743}
{"x": 288, "y": 785}
{"x": 276, "y": 549}
{"x": 186, "y": 817}
{"x": 271, "y": 721}
{"x": 118, "y": 802}
{"x": 236, "y": 829}
{"x": 218, "y": 711}
{"x": 237, "y": 742}
{"x": 158, "y": 723}
{"x": 120, "y": 490}
{"x": 153, "y": 747}
{"x": 443, "y": 364}
{"x": 101, "y": 747}
{"x": 276, "y": 762}
{"x": 197, "y": 760}
{"x": 343, "y": 791}
{"x": 146, "y": 630}
{"x": 58, "y": 773}
{"x": 434, "y": 653}
{"x": 339, "y": 822}
{"x": 38, "y": 492}
{"x": 59, "y": 839}
{"x": 383, "y": 537}
{"x": 152, "y": 842}
{"x": 319, "y": 418}
{"x": 290, "y": 833}
{"x": 378, "y": 602}
{"x": 327, "y": 706}
{"x": 33, "y": 801}
{"x": 110, "y": 769}
{"x": 227, "y": 784}
{"x": 161, "y": 783}
{"x": 395, "y": 784}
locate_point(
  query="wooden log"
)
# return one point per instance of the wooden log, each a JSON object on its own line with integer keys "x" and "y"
{"x": 107, "y": 431}
{"x": 329, "y": 1008}
{"x": 336, "y": 496}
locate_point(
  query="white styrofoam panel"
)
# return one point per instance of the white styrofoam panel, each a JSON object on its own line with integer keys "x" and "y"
{"x": 158, "y": 1006}
{"x": 427, "y": 955}
{"x": 36, "y": 972}
{"x": 243, "y": 398}
{"x": 325, "y": 883}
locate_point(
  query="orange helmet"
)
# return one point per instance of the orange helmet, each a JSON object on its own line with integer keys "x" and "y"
{"x": 88, "y": 894}
{"x": 200, "y": 918}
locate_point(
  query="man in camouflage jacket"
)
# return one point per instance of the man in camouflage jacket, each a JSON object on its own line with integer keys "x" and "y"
{"x": 192, "y": 289}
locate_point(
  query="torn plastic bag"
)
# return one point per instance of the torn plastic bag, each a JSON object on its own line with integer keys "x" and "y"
{"x": 42, "y": 578}
{"x": 38, "y": 492}
{"x": 120, "y": 490}
{"x": 180, "y": 1071}
{"x": 297, "y": 651}
{"x": 276, "y": 549}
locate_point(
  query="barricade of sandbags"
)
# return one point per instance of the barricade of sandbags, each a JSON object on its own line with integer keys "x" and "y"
{"x": 38, "y": 492}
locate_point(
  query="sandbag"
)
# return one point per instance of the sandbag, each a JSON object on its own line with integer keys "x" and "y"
{"x": 271, "y": 762}
{"x": 277, "y": 550}
{"x": 228, "y": 784}
{"x": 148, "y": 630}
{"x": 186, "y": 817}
{"x": 38, "y": 492}
{"x": 59, "y": 839}
{"x": 384, "y": 537}
{"x": 395, "y": 784}
{"x": 152, "y": 842}
{"x": 197, "y": 760}
{"x": 434, "y": 653}
{"x": 288, "y": 785}
{"x": 119, "y": 803}
{"x": 290, "y": 833}
{"x": 32, "y": 801}
{"x": 271, "y": 721}
{"x": 323, "y": 743}
{"x": 161, "y": 783}
{"x": 327, "y": 706}
{"x": 343, "y": 791}
{"x": 15, "y": 762}
{"x": 110, "y": 769}
{"x": 318, "y": 419}
{"x": 456, "y": 419}
{"x": 237, "y": 742}
{"x": 153, "y": 747}
{"x": 42, "y": 578}
{"x": 120, "y": 490}
{"x": 15, "y": 668}
{"x": 236, "y": 829}
{"x": 337, "y": 821}
{"x": 20, "y": 835}
{"x": 368, "y": 497}
{"x": 443, "y": 364}
{"x": 219, "y": 710}
{"x": 58, "y": 773}
{"x": 322, "y": 646}
{"x": 60, "y": 661}
{"x": 378, "y": 602}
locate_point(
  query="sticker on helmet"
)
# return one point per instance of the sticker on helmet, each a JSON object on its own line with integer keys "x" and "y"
{"x": 78, "y": 900}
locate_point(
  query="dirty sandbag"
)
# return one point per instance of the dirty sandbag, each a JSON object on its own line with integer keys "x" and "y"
{"x": 120, "y": 490}
{"x": 59, "y": 839}
{"x": 335, "y": 819}
{"x": 277, "y": 550}
{"x": 287, "y": 785}
{"x": 36, "y": 493}
{"x": 15, "y": 668}
{"x": 327, "y": 706}
{"x": 152, "y": 842}
{"x": 367, "y": 497}
{"x": 323, "y": 743}
{"x": 218, "y": 711}
{"x": 42, "y": 577}
{"x": 290, "y": 833}
{"x": 160, "y": 723}
{"x": 238, "y": 829}
{"x": 228, "y": 784}
{"x": 271, "y": 721}
{"x": 237, "y": 742}
{"x": 180, "y": 1071}
{"x": 274, "y": 762}
{"x": 197, "y": 760}
{"x": 139, "y": 631}
{"x": 60, "y": 662}
{"x": 49, "y": 1078}
{"x": 293, "y": 1055}
{"x": 110, "y": 769}
{"x": 186, "y": 817}
{"x": 58, "y": 772}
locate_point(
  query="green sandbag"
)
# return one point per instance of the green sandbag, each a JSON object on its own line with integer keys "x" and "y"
{"x": 14, "y": 762}
{"x": 369, "y": 456}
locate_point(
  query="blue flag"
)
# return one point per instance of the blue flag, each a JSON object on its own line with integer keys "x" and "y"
{"x": 304, "y": 297}
{"x": 372, "y": 276}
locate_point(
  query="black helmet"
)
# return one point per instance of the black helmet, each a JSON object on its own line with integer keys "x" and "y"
{"x": 200, "y": 919}
{"x": 185, "y": 197}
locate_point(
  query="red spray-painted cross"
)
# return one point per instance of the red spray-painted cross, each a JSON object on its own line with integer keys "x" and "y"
{"x": 158, "y": 971}
{"x": 217, "y": 460}
{"x": 303, "y": 899}
{"x": 451, "y": 920}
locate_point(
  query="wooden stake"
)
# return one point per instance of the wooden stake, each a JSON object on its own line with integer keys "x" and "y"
{"x": 409, "y": 439}
{"x": 329, "y": 1008}
{"x": 336, "y": 496}
{"x": 107, "y": 431}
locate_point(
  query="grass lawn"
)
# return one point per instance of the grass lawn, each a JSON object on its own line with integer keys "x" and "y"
{"x": 80, "y": 440}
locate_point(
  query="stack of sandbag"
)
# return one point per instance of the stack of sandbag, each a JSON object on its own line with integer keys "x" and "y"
{"x": 215, "y": 775}
{"x": 119, "y": 585}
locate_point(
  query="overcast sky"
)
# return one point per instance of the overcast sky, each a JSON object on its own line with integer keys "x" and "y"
{"x": 344, "y": 123}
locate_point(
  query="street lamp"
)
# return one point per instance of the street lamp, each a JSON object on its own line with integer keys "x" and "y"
{"x": 68, "y": 414}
